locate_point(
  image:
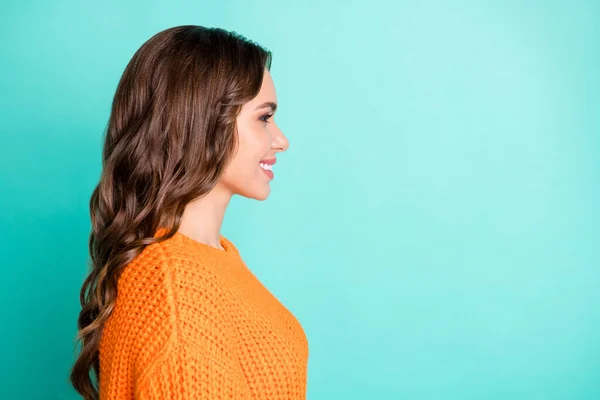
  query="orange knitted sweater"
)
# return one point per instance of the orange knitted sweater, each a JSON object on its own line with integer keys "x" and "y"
{"x": 191, "y": 321}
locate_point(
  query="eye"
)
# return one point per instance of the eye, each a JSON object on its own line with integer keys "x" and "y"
{"x": 265, "y": 118}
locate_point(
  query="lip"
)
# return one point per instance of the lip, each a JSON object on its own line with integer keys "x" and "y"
{"x": 270, "y": 162}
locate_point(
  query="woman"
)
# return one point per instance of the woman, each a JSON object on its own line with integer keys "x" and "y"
{"x": 170, "y": 310}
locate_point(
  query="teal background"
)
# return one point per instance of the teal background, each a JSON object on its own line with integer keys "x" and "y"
{"x": 433, "y": 226}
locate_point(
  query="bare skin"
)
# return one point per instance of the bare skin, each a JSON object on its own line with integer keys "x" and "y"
{"x": 259, "y": 139}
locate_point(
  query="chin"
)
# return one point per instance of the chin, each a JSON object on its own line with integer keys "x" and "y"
{"x": 260, "y": 195}
{"x": 263, "y": 196}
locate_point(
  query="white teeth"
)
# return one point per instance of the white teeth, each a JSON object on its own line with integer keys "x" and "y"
{"x": 267, "y": 167}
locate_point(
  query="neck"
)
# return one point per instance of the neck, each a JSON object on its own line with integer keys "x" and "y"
{"x": 202, "y": 219}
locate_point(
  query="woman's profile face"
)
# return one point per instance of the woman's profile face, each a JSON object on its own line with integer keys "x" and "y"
{"x": 259, "y": 140}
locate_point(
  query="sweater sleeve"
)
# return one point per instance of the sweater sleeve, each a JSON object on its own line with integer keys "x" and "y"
{"x": 184, "y": 371}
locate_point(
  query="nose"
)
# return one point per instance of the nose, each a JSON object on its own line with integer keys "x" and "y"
{"x": 280, "y": 141}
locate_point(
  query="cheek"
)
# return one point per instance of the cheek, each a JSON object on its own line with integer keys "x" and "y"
{"x": 255, "y": 142}
{"x": 250, "y": 152}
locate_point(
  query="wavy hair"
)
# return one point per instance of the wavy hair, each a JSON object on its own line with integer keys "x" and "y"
{"x": 170, "y": 134}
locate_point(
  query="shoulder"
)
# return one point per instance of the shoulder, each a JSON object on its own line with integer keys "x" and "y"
{"x": 168, "y": 275}
{"x": 166, "y": 294}
{"x": 169, "y": 266}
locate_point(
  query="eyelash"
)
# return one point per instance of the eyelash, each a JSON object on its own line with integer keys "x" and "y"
{"x": 266, "y": 116}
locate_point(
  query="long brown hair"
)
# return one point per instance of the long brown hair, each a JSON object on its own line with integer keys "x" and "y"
{"x": 170, "y": 134}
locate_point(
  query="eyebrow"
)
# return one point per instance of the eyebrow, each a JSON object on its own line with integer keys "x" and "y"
{"x": 267, "y": 104}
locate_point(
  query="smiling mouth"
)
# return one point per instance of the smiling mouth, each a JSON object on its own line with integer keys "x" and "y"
{"x": 266, "y": 167}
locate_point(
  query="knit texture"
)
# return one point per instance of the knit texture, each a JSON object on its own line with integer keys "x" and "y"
{"x": 193, "y": 322}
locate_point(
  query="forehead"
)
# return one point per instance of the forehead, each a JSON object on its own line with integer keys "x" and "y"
{"x": 265, "y": 95}
{"x": 267, "y": 90}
